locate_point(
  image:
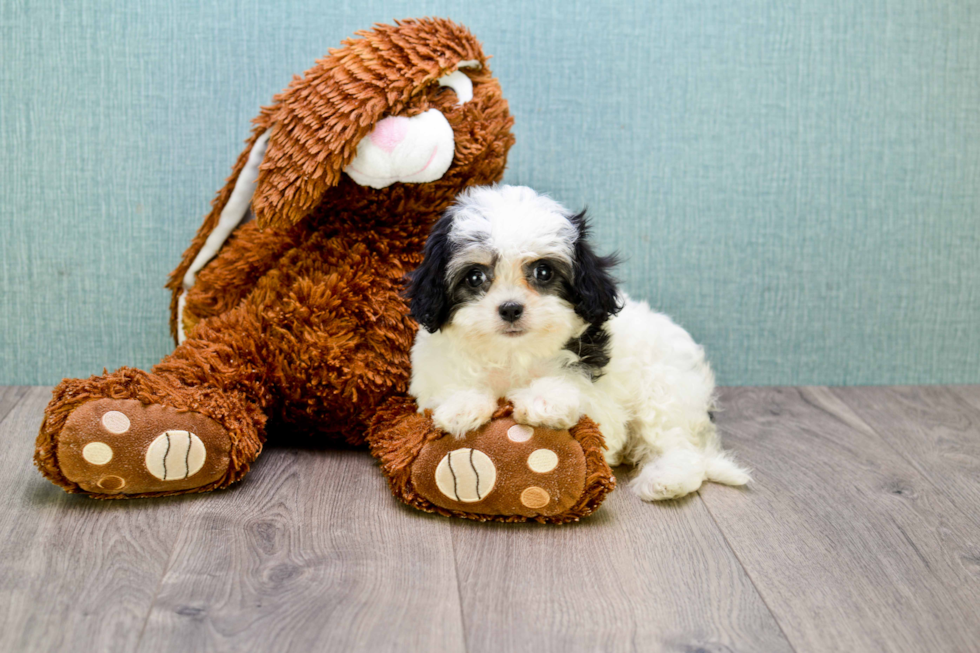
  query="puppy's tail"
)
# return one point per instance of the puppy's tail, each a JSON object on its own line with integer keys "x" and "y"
{"x": 720, "y": 467}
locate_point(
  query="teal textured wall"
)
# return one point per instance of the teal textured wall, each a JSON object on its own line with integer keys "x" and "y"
{"x": 798, "y": 183}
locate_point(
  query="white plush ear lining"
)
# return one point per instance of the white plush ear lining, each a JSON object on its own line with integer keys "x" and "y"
{"x": 234, "y": 211}
{"x": 231, "y": 216}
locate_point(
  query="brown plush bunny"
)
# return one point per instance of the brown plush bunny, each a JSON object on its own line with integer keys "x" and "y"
{"x": 287, "y": 304}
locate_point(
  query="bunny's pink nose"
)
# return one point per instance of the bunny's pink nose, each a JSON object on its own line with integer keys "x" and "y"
{"x": 389, "y": 133}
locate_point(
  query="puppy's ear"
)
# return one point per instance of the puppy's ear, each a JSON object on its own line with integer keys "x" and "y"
{"x": 595, "y": 293}
{"x": 427, "y": 293}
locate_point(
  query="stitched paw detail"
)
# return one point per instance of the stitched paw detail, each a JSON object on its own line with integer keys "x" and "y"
{"x": 502, "y": 468}
{"x": 466, "y": 475}
{"x": 175, "y": 455}
{"x": 121, "y": 446}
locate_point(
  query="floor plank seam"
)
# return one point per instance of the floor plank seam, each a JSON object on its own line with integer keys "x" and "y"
{"x": 963, "y": 399}
{"x": 956, "y": 393}
{"x": 25, "y": 391}
{"x": 163, "y": 576}
{"x": 901, "y": 454}
{"x": 459, "y": 591}
{"x": 755, "y": 586}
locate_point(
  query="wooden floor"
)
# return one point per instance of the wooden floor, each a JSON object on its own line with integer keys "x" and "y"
{"x": 861, "y": 532}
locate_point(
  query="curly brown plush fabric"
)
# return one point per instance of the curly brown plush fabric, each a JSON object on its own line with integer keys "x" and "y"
{"x": 299, "y": 319}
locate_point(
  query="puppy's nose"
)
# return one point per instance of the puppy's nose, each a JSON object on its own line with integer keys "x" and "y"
{"x": 389, "y": 132}
{"x": 511, "y": 311}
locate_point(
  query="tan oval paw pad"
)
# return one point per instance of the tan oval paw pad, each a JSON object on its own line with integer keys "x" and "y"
{"x": 535, "y": 497}
{"x": 115, "y": 422}
{"x": 520, "y": 433}
{"x": 542, "y": 461}
{"x": 112, "y": 483}
{"x": 97, "y": 453}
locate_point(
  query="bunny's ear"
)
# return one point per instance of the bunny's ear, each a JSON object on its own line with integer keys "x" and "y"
{"x": 316, "y": 123}
{"x": 228, "y": 210}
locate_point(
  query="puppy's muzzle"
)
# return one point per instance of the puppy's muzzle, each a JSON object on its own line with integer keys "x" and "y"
{"x": 510, "y": 312}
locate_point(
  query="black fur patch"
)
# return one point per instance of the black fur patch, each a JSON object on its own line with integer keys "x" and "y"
{"x": 593, "y": 290}
{"x": 426, "y": 289}
{"x": 592, "y": 349}
{"x": 432, "y": 297}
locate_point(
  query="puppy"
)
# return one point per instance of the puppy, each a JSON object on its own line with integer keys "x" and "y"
{"x": 516, "y": 304}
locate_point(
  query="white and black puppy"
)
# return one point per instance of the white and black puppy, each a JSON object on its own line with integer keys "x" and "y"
{"x": 516, "y": 304}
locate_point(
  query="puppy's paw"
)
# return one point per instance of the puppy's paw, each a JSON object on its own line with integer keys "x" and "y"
{"x": 464, "y": 412}
{"x": 613, "y": 458}
{"x": 548, "y": 402}
{"x": 671, "y": 476}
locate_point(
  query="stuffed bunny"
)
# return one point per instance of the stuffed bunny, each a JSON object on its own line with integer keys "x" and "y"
{"x": 287, "y": 304}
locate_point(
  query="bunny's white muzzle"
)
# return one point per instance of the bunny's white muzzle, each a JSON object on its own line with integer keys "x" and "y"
{"x": 411, "y": 150}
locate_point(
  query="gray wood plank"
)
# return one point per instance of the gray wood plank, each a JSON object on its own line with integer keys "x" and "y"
{"x": 850, "y": 546}
{"x": 311, "y": 553}
{"x": 968, "y": 393}
{"x": 75, "y": 573}
{"x": 10, "y": 395}
{"x": 934, "y": 429}
{"x": 857, "y": 534}
{"x": 633, "y": 577}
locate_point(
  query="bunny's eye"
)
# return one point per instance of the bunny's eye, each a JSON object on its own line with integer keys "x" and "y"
{"x": 459, "y": 82}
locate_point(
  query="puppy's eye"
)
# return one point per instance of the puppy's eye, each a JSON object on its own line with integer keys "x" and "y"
{"x": 543, "y": 272}
{"x": 475, "y": 278}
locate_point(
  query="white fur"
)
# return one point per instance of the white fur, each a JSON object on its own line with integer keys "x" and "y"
{"x": 652, "y": 400}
